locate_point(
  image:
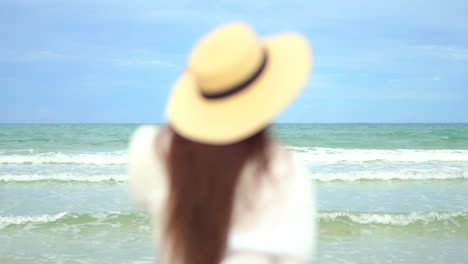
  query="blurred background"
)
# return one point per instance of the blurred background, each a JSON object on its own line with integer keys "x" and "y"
{"x": 115, "y": 61}
{"x": 387, "y": 193}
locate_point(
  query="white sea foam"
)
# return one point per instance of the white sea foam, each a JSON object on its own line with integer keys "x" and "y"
{"x": 391, "y": 219}
{"x": 385, "y": 176}
{"x": 63, "y": 178}
{"x": 318, "y": 176}
{"x": 15, "y": 151}
{"x": 332, "y": 155}
{"x": 110, "y": 217}
{"x": 18, "y": 220}
{"x": 96, "y": 158}
{"x": 311, "y": 155}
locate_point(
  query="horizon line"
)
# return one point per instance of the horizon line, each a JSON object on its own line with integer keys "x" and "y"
{"x": 160, "y": 123}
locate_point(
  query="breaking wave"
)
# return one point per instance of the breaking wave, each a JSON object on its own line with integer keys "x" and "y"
{"x": 136, "y": 218}
{"x": 332, "y": 155}
{"x": 386, "y": 176}
{"x": 95, "y": 158}
{"x": 63, "y": 178}
{"x": 394, "y": 219}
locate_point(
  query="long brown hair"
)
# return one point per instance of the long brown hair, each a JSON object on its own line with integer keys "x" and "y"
{"x": 202, "y": 181}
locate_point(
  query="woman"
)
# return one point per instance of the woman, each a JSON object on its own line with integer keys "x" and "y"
{"x": 219, "y": 188}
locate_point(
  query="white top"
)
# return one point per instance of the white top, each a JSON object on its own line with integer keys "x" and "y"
{"x": 278, "y": 227}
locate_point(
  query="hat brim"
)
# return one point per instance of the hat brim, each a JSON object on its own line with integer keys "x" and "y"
{"x": 233, "y": 118}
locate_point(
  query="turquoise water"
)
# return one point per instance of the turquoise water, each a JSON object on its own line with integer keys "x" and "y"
{"x": 387, "y": 193}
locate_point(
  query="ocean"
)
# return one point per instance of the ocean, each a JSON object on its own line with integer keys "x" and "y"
{"x": 387, "y": 193}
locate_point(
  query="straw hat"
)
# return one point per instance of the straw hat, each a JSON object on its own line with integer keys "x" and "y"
{"x": 235, "y": 83}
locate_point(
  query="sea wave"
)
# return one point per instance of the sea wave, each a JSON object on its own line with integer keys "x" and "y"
{"x": 63, "y": 178}
{"x": 316, "y": 176}
{"x": 132, "y": 218}
{"x": 393, "y": 219}
{"x": 386, "y": 176}
{"x": 21, "y": 220}
{"x": 310, "y": 155}
{"x": 95, "y": 158}
{"x": 17, "y": 151}
{"x": 332, "y": 155}
{"x": 112, "y": 218}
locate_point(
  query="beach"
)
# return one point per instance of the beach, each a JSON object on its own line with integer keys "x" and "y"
{"x": 387, "y": 193}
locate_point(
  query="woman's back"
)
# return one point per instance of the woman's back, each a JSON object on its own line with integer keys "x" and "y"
{"x": 272, "y": 212}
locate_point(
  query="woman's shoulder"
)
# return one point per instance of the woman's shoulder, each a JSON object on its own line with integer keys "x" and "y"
{"x": 140, "y": 140}
{"x": 144, "y": 167}
{"x": 283, "y": 160}
{"x": 142, "y": 135}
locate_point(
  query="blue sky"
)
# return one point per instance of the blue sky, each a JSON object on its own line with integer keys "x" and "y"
{"x": 115, "y": 61}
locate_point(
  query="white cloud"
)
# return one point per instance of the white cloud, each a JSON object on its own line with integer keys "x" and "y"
{"x": 195, "y": 15}
{"x": 447, "y": 52}
{"x": 42, "y": 55}
{"x": 144, "y": 63}
{"x": 416, "y": 95}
